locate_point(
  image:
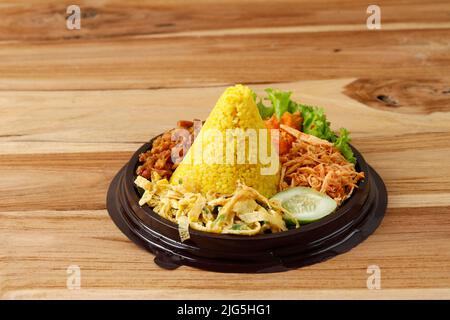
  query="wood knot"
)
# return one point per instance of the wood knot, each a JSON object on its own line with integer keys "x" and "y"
{"x": 387, "y": 100}
{"x": 422, "y": 96}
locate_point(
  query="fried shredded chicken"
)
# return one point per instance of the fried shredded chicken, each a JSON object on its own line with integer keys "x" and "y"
{"x": 316, "y": 163}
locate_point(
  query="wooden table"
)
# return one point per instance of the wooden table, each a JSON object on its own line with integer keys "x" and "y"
{"x": 75, "y": 104}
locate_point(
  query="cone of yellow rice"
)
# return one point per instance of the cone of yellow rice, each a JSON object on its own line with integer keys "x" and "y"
{"x": 216, "y": 160}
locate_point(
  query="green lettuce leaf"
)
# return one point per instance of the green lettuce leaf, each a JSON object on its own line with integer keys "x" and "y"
{"x": 315, "y": 123}
{"x": 342, "y": 144}
{"x": 264, "y": 111}
{"x": 280, "y": 100}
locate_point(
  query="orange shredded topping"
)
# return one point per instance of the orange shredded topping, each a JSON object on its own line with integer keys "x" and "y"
{"x": 316, "y": 163}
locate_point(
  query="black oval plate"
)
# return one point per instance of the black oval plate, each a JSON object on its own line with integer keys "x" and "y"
{"x": 335, "y": 234}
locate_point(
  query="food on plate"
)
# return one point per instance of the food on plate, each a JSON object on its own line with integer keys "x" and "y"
{"x": 216, "y": 185}
{"x": 244, "y": 212}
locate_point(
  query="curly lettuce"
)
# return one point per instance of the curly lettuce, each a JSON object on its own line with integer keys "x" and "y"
{"x": 342, "y": 144}
{"x": 280, "y": 101}
{"x": 315, "y": 123}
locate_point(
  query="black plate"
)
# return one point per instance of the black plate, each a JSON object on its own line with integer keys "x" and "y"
{"x": 337, "y": 233}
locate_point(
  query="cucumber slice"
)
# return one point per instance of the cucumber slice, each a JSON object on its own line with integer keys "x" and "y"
{"x": 306, "y": 204}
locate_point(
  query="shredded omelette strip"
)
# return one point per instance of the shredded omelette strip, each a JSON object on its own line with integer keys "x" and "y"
{"x": 245, "y": 212}
{"x": 316, "y": 163}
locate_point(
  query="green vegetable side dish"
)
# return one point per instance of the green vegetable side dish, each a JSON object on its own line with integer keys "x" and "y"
{"x": 305, "y": 204}
{"x": 314, "y": 119}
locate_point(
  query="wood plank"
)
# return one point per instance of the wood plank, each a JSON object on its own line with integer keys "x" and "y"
{"x": 58, "y": 182}
{"x": 161, "y": 294}
{"x": 200, "y": 61}
{"x": 44, "y": 20}
{"x": 400, "y": 247}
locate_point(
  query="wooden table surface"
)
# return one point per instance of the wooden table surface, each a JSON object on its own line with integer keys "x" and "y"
{"x": 75, "y": 104}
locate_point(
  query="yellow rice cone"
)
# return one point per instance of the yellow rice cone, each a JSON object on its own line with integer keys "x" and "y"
{"x": 205, "y": 167}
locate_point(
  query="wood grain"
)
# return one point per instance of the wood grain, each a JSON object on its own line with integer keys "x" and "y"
{"x": 221, "y": 60}
{"x": 41, "y": 20}
{"x": 423, "y": 96}
{"x": 74, "y": 105}
{"x": 42, "y": 244}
